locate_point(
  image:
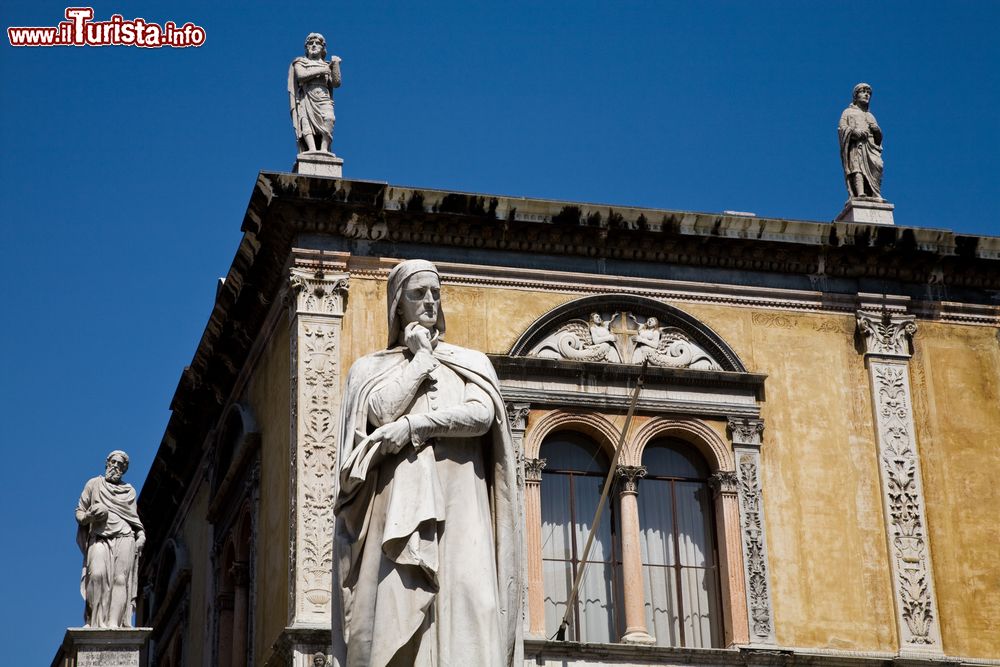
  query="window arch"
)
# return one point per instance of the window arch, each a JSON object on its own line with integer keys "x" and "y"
{"x": 680, "y": 562}
{"x": 571, "y": 484}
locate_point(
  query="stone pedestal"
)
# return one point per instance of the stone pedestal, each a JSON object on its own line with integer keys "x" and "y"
{"x": 867, "y": 210}
{"x": 319, "y": 163}
{"x": 97, "y": 647}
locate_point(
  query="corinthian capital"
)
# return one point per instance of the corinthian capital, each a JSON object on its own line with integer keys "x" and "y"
{"x": 886, "y": 334}
{"x": 746, "y": 432}
{"x": 315, "y": 291}
{"x": 629, "y": 477}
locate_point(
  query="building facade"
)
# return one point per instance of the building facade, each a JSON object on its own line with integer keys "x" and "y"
{"x": 808, "y": 479}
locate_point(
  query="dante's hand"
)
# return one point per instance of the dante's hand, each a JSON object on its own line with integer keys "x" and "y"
{"x": 417, "y": 338}
{"x": 394, "y": 436}
{"x": 140, "y": 542}
{"x": 98, "y": 512}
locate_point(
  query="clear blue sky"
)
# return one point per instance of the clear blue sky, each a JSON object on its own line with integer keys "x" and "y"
{"x": 126, "y": 172}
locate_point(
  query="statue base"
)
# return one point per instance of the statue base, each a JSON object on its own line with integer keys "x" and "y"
{"x": 867, "y": 210}
{"x": 318, "y": 163}
{"x": 103, "y": 647}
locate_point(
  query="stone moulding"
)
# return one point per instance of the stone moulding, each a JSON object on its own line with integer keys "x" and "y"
{"x": 746, "y": 435}
{"x": 316, "y": 301}
{"x": 888, "y": 339}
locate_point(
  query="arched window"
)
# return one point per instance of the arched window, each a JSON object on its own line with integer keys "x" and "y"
{"x": 679, "y": 557}
{"x": 570, "y": 490}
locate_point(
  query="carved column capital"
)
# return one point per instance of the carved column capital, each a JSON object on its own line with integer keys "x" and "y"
{"x": 724, "y": 482}
{"x": 629, "y": 476}
{"x": 746, "y": 432}
{"x": 886, "y": 334}
{"x": 533, "y": 469}
{"x": 316, "y": 291}
{"x": 517, "y": 415}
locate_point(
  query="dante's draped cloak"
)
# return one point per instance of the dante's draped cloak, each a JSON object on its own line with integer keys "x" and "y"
{"x": 392, "y": 526}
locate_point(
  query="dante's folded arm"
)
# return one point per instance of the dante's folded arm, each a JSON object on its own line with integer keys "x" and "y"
{"x": 388, "y": 402}
{"x": 472, "y": 417}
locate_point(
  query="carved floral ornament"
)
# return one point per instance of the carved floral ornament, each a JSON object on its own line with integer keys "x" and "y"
{"x": 886, "y": 333}
{"x": 624, "y": 338}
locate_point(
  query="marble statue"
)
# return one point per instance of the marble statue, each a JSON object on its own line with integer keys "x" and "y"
{"x": 428, "y": 538}
{"x": 861, "y": 146}
{"x": 311, "y": 81}
{"x": 111, "y": 537}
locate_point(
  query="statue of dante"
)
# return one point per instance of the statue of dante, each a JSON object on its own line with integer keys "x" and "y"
{"x": 428, "y": 538}
{"x": 311, "y": 81}
{"x": 861, "y": 146}
{"x": 111, "y": 538}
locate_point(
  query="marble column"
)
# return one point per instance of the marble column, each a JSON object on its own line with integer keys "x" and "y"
{"x": 746, "y": 434}
{"x": 887, "y": 338}
{"x": 316, "y": 310}
{"x": 241, "y": 598}
{"x": 533, "y": 538}
{"x": 725, "y": 488}
{"x": 634, "y": 595}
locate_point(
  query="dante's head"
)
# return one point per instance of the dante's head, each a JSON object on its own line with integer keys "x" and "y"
{"x": 414, "y": 295}
{"x": 862, "y": 93}
{"x": 316, "y": 46}
{"x": 115, "y": 466}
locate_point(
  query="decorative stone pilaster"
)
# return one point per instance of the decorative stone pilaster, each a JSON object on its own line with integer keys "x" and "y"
{"x": 746, "y": 435}
{"x": 316, "y": 301}
{"x": 635, "y": 607}
{"x": 725, "y": 485}
{"x": 887, "y": 341}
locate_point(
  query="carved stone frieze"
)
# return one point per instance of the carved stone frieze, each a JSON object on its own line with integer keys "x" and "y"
{"x": 902, "y": 495}
{"x": 533, "y": 469}
{"x": 318, "y": 309}
{"x": 624, "y": 337}
{"x": 746, "y": 432}
{"x": 759, "y": 614}
{"x": 517, "y": 415}
{"x": 628, "y": 478}
{"x": 724, "y": 481}
{"x": 886, "y": 334}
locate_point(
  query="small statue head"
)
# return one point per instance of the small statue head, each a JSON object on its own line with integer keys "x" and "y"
{"x": 316, "y": 46}
{"x": 414, "y": 295}
{"x": 862, "y": 93}
{"x": 115, "y": 466}
{"x": 597, "y": 319}
{"x": 319, "y": 659}
{"x": 652, "y": 323}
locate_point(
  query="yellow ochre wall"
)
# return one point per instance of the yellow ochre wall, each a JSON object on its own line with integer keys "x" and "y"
{"x": 955, "y": 375}
{"x": 829, "y": 566}
{"x": 269, "y": 396}
{"x": 196, "y": 534}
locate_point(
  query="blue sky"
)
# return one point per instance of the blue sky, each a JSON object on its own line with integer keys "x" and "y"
{"x": 125, "y": 174}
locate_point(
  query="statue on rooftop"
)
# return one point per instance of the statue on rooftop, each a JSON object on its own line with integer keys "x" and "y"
{"x": 311, "y": 81}
{"x": 861, "y": 147}
{"x": 427, "y": 535}
{"x": 111, "y": 538}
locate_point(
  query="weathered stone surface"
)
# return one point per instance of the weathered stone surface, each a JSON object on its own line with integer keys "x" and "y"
{"x": 867, "y": 211}
{"x": 92, "y": 647}
{"x": 318, "y": 163}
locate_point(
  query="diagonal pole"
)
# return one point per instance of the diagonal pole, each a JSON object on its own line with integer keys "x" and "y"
{"x": 582, "y": 567}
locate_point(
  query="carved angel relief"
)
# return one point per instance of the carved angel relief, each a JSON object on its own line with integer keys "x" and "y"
{"x": 624, "y": 338}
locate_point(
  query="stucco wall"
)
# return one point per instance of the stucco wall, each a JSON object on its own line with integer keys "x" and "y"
{"x": 196, "y": 533}
{"x": 955, "y": 375}
{"x": 269, "y": 396}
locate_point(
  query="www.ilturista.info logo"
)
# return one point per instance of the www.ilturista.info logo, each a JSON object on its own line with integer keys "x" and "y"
{"x": 80, "y": 30}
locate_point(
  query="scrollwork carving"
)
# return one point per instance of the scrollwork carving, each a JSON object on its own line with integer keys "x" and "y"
{"x": 724, "y": 481}
{"x": 904, "y": 504}
{"x": 746, "y": 432}
{"x": 758, "y": 593}
{"x": 315, "y": 293}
